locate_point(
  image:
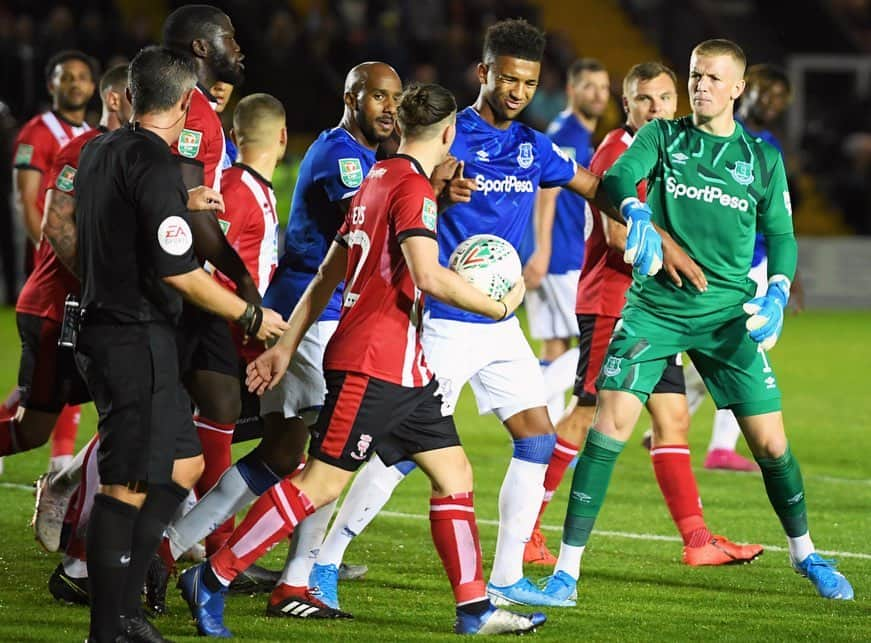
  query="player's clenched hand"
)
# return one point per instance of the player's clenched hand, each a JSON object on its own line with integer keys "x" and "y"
{"x": 266, "y": 371}
{"x": 443, "y": 173}
{"x": 272, "y": 326}
{"x": 204, "y": 198}
{"x": 643, "y": 243}
{"x": 677, "y": 262}
{"x": 514, "y": 297}
{"x": 766, "y": 312}
{"x": 459, "y": 188}
{"x": 535, "y": 269}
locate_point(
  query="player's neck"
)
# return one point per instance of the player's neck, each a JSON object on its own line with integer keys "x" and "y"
{"x": 488, "y": 115}
{"x": 588, "y": 122}
{"x": 74, "y": 117}
{"x": 110, "y": 121}
{"x": 261, "y": 160}
{"x": 420, "y": 152}
{"x": 348, "y": 123}
{"x": 720, "y": 125}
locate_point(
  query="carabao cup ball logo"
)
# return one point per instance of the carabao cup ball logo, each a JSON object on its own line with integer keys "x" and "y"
{"x": 487, "y": 262}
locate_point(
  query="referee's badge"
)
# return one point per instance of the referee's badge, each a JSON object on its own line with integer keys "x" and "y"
{"x": 189, "y": 143}
{"x": 64, "y": 181}
{"x": 174, "y": 235}
{"x": 351, "y": 172}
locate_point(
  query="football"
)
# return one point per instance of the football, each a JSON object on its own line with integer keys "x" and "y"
{"x": 488, "y": 262}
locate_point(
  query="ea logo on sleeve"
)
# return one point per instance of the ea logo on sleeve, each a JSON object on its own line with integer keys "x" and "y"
{"x": 174, "y": 236}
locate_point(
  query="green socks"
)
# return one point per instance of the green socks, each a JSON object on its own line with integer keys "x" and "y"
{"x": 589, "y": 484}
{"x": 785, "y": 490}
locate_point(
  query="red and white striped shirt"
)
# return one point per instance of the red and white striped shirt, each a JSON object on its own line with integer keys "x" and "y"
{"x": 379, "y": 329}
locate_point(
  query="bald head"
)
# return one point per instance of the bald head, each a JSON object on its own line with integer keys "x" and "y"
{"x": 359, "y": 76}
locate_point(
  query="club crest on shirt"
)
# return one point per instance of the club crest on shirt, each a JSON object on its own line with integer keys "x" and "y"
{"x": 742, "y": 172}
{"x": 363, "y": 445}
{"x": 429, "y": 214}
{"x": 351, "y": 172}
{"x": 189, "y": 143}
{"x": 524, "y": 155}
{"x": 24, "y": 154}
{"x": 64, "y": 181}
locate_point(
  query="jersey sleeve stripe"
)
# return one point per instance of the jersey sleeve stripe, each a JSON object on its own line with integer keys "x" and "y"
{"x": 416, "y": 232}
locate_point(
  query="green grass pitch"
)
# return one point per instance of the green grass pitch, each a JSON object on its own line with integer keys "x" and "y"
{"x": 633, "y": 586}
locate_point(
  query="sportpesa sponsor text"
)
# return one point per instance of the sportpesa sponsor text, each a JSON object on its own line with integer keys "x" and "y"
{"x": 509, "y": 183}
{"x": 708, "y": 194}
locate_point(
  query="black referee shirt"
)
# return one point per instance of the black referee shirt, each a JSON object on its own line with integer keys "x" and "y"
{"x": 131, "y": 221}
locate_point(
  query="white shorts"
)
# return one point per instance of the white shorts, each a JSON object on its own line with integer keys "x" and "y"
{"x": 301, "y": 391}
{"x": 759, "y": 274}
{"x": 495, "y": 358}
{"x": 551, "y": 307}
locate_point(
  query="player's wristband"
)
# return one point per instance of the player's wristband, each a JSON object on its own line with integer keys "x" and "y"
{"x": 504, "y": 310}
{"x": 251, "y": 320}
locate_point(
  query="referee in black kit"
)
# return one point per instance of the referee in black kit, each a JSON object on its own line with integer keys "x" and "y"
{"x": 136, "y": 261}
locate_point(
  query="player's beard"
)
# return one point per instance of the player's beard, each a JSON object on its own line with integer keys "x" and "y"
{"x": 368, "y": 129}
{"x": 66, "y": 105}
{"x": 225, "y": 70}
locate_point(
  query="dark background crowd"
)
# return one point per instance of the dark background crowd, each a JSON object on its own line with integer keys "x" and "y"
{"x": 299, "y": 51}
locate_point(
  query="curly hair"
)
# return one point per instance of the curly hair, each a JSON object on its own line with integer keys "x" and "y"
{"x": 515, "y": 38}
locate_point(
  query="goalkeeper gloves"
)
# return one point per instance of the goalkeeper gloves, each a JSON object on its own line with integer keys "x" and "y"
{"x": 643, "y": 243}
{"x": 766, "y": 312}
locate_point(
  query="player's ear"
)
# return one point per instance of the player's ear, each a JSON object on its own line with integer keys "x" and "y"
{"x": 113, "y": 100}
{"x": 200, "y": 47}
{"x": 625, "y": 103}
{"x": 282, "y": 136}
{"x": 186, "y": 100}
{"x": 233, "y": 137}
{"x": 350, "y": 101}
{"x": 482, "y": 70}
{"x": 739, "y": 89}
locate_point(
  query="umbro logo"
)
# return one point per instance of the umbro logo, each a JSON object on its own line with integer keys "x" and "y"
{"x": 580, "y": 496}
{"x": 483, "y": 156}
{"x": 770, "y": 382}
{"x": 680, "y": 158}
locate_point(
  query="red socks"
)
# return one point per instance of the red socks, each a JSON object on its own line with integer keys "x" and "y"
{"x": 563, "y": 454}
{"x": 671, "y": 464}
{"x": 216, "y": 440}
{"x": 455, "y": 534}
{"x": 63, "y": 438}
{"x": 272, "y": 517}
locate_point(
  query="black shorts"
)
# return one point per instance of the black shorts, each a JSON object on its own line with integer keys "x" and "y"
{"x": 362, "y": 414}
{"x": 206, "y": 343}
{"x": 594, "y": 336}
{"x": 145, "y": 420}
{"x": 47, "y": 374}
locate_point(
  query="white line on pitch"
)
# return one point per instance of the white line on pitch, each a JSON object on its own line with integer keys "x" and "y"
{"x": 627, "y": 534}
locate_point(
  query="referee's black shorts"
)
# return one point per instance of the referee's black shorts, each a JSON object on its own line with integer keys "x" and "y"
{"x": 145, "y": 421}
{"x": 362, "y": 414}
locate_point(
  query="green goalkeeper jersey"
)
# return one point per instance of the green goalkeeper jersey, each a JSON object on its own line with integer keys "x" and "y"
{"x": 711, "y": 194}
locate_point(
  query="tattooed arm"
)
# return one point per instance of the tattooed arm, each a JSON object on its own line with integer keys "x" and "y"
{"x": 59, "y": 227}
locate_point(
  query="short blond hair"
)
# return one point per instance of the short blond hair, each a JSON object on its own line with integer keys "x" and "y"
{"x": 722, "y": 47}
{"x": 254, "y": 114}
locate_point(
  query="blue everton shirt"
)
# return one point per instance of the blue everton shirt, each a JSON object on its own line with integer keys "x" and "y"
{"x": 331, "y": 170}
{"x": 759, "y": 250}
{"x": 570, "y": 219}
{"x": 507, "y": 166}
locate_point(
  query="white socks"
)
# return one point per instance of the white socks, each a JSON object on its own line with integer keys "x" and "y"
{"x": 306, "y": 545}
{"x": 519, "y": 502}
{"x": 225, "y": 499}
{"x": 369, "y": 492}
{"x": 726, "y": 431}
{"x": 569, "y": 560}
{"x": 800, "y": 548}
